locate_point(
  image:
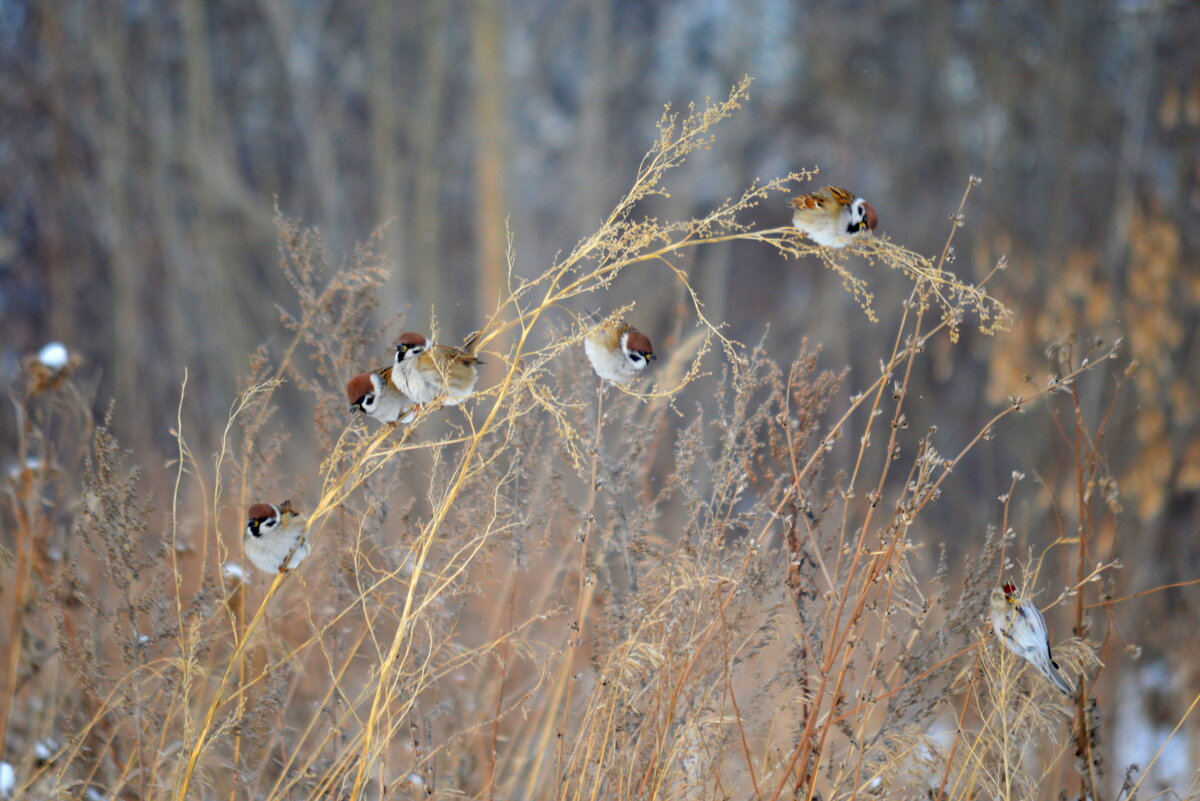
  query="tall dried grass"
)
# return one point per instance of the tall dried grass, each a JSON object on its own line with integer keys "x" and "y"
{"x": 558, "y": 590}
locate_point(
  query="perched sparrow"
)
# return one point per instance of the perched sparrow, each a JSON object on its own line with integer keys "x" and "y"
{"x": 373, "y": 394}
{"x": 424, "y": 372}
{"x": 273, "y": 532}
{"x": 833, "y": 216}
{"x": 618, "y": 351}
{"x": 1022, "y": 629}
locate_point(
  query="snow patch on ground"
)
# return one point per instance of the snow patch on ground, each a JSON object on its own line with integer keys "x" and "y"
{"x": 1141, "y": 738}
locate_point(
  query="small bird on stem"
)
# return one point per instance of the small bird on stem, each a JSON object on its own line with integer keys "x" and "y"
{"x": 618, "y": 351}
{"x": 833, "y": 216}
{"x": 272, "y": 533}
{"x": 1022, "y": 629}
{"x": 425, "y": 372}
{"x": 375, "y": 395}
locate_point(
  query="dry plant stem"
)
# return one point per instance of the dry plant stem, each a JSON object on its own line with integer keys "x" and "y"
{"x": 1084, "y": 527}
{"x": 24, "y": 537}
{"x": 802, "y": 505}
{"x": 1146, "y": 772}
{"x": 1017, "y": 405}
{"x": 334, "y": 687}
{"x": 737, "y": 712}
{"x": 1083, "y": 742}
{"x": 97, "y": 720}
{"x": 20, "y": 589}
{"x": 805, "y": 752}
{"x": 962, "y": 716}
{"x": 198, "y": 745}
{"x": 593, "y": 280}
{"x": 412, "y": 613}
{"x": 1012, "y": 487}
{"x": 185, "y": 646}
{"x": 1008, "y": 675}
{"x": 972, "y": 756}
{"x": 868, "y": 687}
{"x": 877, "y": 388}
{"x": 175, "y": 572}
{"x": 654, "y": 775}
{"x": 873, "y": 390}
{"x": 496, "y": 713}
{"x": 277, "y": 379}
{"x": 658, "y": 773}
{"x": 583, "y": 598}
{"x": 427, "y": 536}
{"x": 365, "y": 602}
{"x": 1108, "y": 604}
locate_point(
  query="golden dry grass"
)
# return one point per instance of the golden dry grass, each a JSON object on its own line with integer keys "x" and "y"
{"x": 558, "y": 590}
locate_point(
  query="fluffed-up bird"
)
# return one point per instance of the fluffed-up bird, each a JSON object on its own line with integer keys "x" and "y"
{"x": 375, "y": 395}
{"x": 425, "y": 372}
{"x": 833, "y": 216}
{"x": 618, "y": 351}
{"x": 274, "y": 541}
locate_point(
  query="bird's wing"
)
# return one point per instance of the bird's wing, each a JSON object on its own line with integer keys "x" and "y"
{"x": 456, "y": 355}
{"x": 811, "y": 202}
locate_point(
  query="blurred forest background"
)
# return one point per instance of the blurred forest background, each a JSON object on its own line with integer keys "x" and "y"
{"x": 144, "y": 147}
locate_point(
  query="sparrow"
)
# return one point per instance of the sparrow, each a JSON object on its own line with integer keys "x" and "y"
{"x": 374, "y": 394}
{"x": 274, "y": 541}
{"x": 1022, "y": 629}
{"x": 618, "y": 351}
{"x": 832, "y": 216}
{"x": 424, "y": 372}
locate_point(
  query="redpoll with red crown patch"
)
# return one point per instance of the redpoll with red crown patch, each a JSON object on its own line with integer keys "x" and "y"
{"x": 1022, "y": 629}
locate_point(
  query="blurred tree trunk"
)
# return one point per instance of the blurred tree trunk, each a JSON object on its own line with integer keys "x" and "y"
{"x": 111, "y": 204}
{"x": 427, "y": 133}
{"x": 207, "y": 271}
{"x": 54, "y": 251}
{"x": 385, "y": 163}
{"x": 312, "y": 126}
{"x": 491, "y": 138}
{"x": 591, "y": 186}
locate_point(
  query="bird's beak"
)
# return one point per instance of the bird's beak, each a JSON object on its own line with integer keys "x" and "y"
{"x": 354, "y": 407}
{"x": 652, "y": 357}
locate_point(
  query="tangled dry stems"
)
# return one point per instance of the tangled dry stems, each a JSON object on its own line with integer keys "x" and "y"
{"x": 495, "y": 606}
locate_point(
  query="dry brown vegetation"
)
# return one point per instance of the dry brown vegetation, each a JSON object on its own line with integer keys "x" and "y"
{"x": 561, "y": 590}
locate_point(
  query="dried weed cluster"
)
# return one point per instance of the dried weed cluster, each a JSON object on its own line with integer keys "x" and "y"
{"x": 554, "y": 591}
